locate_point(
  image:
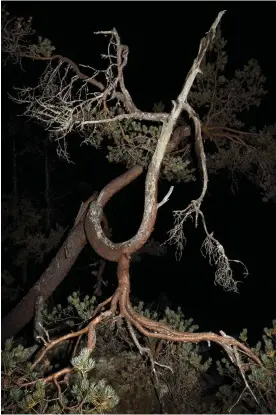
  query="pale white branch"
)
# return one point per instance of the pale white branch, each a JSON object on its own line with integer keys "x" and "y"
{"x": 166, "y": 197}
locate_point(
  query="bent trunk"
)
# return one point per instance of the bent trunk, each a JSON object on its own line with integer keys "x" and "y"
{"x": 47, "y": 283}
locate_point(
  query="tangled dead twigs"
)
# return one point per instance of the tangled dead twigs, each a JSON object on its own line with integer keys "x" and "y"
{"x": 121, "y": 253}
{"x": 71, "y": 97}
{"x": 63, "y": 122}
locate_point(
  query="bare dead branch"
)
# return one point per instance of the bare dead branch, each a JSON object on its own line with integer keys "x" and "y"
{"x": 165, "y": 198}
{"x": 69, "y": 111}
{"x": 62, "y": 102}
{"x": 39, "y": 304}
{"x": 211, "y": 247}
{"x": 88, "y": 329}
{"x": 98, "y": 240}
{"x": 160, "y": 330}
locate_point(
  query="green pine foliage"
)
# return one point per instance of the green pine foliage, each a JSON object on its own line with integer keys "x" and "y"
{"x": 235, "y": 397}
{"x": 223, "y": 98}
{"x": 116, "y": 378}
{"x": 81, "y": 394}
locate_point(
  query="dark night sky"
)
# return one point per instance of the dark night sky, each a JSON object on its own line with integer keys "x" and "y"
{"x": 163, "y": 39}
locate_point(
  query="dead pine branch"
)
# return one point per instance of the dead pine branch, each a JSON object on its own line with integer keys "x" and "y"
{"x": 66, "y": 114}
{"x": 122, "y": 252}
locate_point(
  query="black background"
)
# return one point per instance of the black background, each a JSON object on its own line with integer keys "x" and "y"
{"x": 163, "y": 38}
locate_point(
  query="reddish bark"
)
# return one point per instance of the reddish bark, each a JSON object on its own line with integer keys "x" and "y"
{"x": 50, "y": 279}
{"x": 47, "y": 283}
{"x": 62, "y": 263}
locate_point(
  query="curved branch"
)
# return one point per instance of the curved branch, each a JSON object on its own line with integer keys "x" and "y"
{"x": 100, "y": 243}
{"x": 94, "y": 232}
{"x": 158, "y": 330}
{"x": 55, "y": 273}
{"x": 103, "y": 245}
{"x": 16, "y": 48}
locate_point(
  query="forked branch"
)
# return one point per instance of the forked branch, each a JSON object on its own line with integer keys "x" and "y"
{"x": 122, "y": 252}
{"x": 68, "y": 112}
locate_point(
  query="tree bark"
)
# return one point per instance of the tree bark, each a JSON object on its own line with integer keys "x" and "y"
{"x": 47, "y": 283}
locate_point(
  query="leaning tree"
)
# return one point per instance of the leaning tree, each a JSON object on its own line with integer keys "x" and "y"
{"x": 97, "y": 105}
